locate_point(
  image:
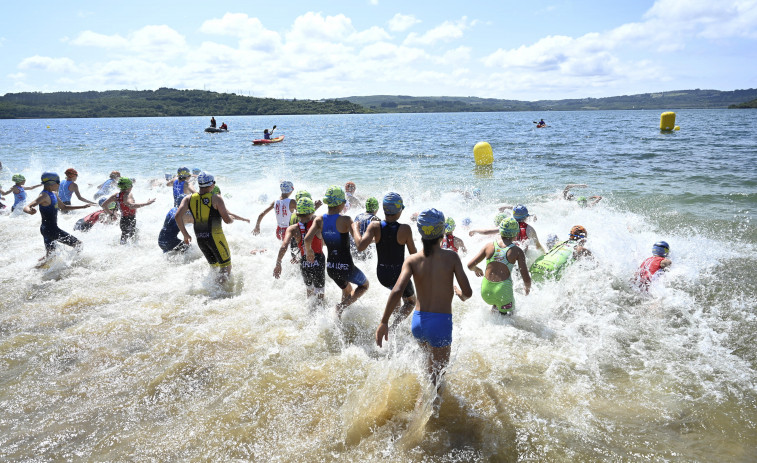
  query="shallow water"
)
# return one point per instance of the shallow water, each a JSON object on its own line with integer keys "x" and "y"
{"x": 118, "y": 353}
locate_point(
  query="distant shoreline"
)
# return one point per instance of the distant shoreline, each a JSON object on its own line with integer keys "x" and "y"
{"x": 166, "y": 102}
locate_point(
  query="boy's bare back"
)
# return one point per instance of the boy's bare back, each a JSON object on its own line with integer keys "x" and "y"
{"x": 433, "y": 279}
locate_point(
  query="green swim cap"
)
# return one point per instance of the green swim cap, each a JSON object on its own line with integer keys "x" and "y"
{"x": 500, "y": 217}
{"x": 124, "y": 183}
{"x": 18, "y": 178}
{"x": 216, "y": 190}
{"x": 509, "y": 228}
{"x": 582, "y": 201}
{"x": 302, "y": 194}
{"x": 449, "y": 225}
{"x": 371, "y": 204}
{"x": 334, "y": 196}
{"x": 305, "y": 206}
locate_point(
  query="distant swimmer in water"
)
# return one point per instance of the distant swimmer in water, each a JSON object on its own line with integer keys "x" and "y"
{"x": 49, "y": 204}
{"x": 450, "y": 241}
{"x": 99, "y": 216}
{"x": 208, "y": 211}
{"x": 284, "y": 208}
{"x": 128, "y": 208}
{"x": 652, "y": 267}
{"x": 351, "y": 201}
{"x": 335, "y": 229}
{"x": 68, "y": 188}
{"x": 108, "y": 186}
{"x": 19, "y": 191}
{"x": 267, "y": 134}
{"x": 433, "y": 271}
{"x": 181, "y": 185}
{"x": 391, "y": 238}
{"x": 313, "y": 273}
{"x": 501, "y": 255}
{"x": 583, "y": 201}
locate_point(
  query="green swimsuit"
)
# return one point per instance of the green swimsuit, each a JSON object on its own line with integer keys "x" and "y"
{"x": 499, "y": 293}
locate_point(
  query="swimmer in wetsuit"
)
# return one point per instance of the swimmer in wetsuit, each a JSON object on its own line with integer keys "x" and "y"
{"x": 313, "y": 273}
{"x": 501, "y": 255}
{"x": 49, "y": 204}
{"x": 652, "y": 267}
{"x": 168, "y": 238}
{"x": 208, "y": 210}
{"x": 181, "y": 185}
{"x": 391, "y": 238}
{"x": 433, "y": 271}
{"x": 335, "y": 229}
{"x": 69, "y": 188}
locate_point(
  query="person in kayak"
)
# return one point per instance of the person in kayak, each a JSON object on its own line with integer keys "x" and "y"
{"x": 128, "y": 208}
{"x": 284, "y": 208}
{"x": 335, "y": 229}
{"x": 391, "y": 238}
{"x": 501, "y": 255}
{"x": 313, "y": 273}
{"x": 541, "y": 123}
{"x": 433, "y": 271}
{"x": 224, "y": 126}
{"x": 652, "y": 266}
{"x": 267, "y": 134}
{"x": 49, "y": 204}
{"x": 68, "y": 188}
{"x": 212, "y": 121}
{"x": 19, "y": 191}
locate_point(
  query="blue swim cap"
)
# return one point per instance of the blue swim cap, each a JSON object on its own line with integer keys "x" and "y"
{"x": 50, "y": 177}
{"x": 431, "y": 224}
{"x": 660, "y": 249}
{"x": 476, "y": 192}
{"x": 205, "y": 180}
{"x": 286, "y": 187}
{"x": 466, "y": 222}
{"x": 196, "y": 171}
{"x": 183, "y": 172}
{"x": 520, "y": 212}
{"x": 393, "y": 203}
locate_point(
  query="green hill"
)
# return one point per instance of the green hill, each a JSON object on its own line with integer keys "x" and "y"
{"x": 748, "y": 104}
{"x": 680, "y": 99}
{"x": 161, "y": 102}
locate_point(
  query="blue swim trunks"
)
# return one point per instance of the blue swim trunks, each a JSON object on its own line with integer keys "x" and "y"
{"x": 433, "y": 328}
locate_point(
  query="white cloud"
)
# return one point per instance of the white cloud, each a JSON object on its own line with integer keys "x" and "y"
{"x": 314, "y": 27}
{"x": 157, "y": 42}
{"x": 402, "y": 22}
{"x": 45, "y": 63}
{"x": 445, "y": 32}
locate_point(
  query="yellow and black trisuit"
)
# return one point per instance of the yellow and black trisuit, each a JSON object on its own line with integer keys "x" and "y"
{"x": 210, "y": 238}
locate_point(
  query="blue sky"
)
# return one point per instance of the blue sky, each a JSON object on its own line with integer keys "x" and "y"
{"x": 339, "y": 48}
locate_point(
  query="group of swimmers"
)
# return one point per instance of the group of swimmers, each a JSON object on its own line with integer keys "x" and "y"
{"x": 329, "y": 243}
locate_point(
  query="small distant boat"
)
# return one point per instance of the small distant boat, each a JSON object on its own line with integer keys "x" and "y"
{"x": 264, "y": 141}
{"x": 215, "y": 130}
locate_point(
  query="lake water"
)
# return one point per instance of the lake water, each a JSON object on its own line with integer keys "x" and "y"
{"x": 117, "y": 353}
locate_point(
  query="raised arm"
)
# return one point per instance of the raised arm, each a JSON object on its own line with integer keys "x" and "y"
{"x": 571, "y": 185}
{"x": 369, "y": 237}
{"x": 484, "y": 231}
{"x": 78, "y": 195}
{"x": 268, "y": 209}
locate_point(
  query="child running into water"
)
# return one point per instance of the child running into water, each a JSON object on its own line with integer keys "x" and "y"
{"x": 450, "y": 241}
{"x": 335, "y": 230}
{"x": 433, "y": 271}
{"x": 68, "y": 188}
{"x": 128, "y": 208}
{"x": 651, "y": 268}
{"x": 501, "y": 255}
{"x": 391, "y": 238}
{"x": 105, "y": 188}
{"x": 284, "y": 207}
{"x": 181, "y": 185}
{"x": 313, "y": 273}
{"x": 19, "y": 191}
{"x": 49, "y": 204}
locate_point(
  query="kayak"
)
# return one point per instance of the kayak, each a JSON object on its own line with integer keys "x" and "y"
{"x": 264, "y": 141}
{"x": 215, "y": 130}
{"x": 551, "y": 264}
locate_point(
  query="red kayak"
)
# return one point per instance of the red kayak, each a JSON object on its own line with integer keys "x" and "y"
{"x": 264, "y": 141}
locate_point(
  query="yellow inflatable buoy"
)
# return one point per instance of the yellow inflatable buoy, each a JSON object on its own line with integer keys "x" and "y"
{"x": 668, "y": 121}
{"x": 483, "y": 154}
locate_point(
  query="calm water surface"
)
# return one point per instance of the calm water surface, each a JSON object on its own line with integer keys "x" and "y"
{"x": 118, "y": 353}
